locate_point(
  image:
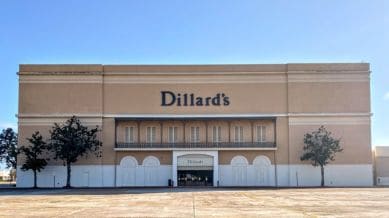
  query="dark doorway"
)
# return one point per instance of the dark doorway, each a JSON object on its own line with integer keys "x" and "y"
{"x": 195, "y": 177}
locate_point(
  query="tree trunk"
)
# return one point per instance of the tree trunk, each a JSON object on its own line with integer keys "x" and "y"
{"x": 68, "y": 175}
{"x": 322, "y": 175}
{"x": 35, "y": 186}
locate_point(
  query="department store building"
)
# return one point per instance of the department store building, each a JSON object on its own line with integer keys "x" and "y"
{"x": 201, "y": 125}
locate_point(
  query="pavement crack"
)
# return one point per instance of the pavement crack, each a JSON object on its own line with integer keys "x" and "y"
{"x": 194, "y": 206}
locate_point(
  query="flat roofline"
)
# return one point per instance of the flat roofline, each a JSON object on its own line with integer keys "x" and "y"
{"x": 100, "y": 68}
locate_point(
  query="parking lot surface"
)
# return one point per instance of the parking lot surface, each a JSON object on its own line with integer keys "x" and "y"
{"x": 195, "y": 202}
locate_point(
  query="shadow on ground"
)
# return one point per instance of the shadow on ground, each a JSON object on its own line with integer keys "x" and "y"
{"x": 11, "y": 190}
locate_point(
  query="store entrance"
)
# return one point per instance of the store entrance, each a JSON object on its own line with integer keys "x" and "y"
{"x": 195, "y": 177}
{"x": 195, "y": 170}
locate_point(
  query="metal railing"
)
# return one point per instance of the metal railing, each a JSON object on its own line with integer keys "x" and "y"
{"x": 197, "y": 145}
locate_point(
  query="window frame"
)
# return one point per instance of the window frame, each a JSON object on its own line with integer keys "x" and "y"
{"x": 260, "y": 133}
{"x": 238, "y": 134}
{"x": 194, "y": 134}
{"x": 129, "y": 133}
{"x": 151, "y": 134}
{"x": 216, "y": 138}
{"x": 172, "y": 130}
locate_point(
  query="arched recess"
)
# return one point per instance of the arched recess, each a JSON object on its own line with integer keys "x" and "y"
{"x": 262, "y": 168}
{"x": 239, "y": 166}
{"x": 127, "y": 171}
{"x": 151, "y": 172}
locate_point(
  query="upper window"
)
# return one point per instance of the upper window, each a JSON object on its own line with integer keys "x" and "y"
{"x": 173, "y": 130}
{"x": 151, "y": 134}
{"x": 216, "y": 134}
{"x": 238, "y": 134}
{"x": 261, "y": 133}
{"x": 195, "y": 134}
{"x": 129, "y": 134}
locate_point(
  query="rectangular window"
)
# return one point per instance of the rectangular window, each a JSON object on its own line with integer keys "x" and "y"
{"x": 173, "y": 130}
{"x": 261, "y": 134}
{"x": 129, "y": 134}
{"x": 195, "y": 134}
{"x": 151, "y": 134}
{"x": 216, "y": 134}
{"x": 238, "y": 134}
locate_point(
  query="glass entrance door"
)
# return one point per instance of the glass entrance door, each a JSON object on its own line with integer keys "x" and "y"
{"x": 195, "y": 177}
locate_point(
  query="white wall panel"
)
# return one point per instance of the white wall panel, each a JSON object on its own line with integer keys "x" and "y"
{"x": 304, "y": 175}
{"x": 348, "y": 175}
{"x": 162, "y": 174}
{"x": 334, "y": 175}
{"x": 288, "y": 175}
{"x": 108, "y": 175}
{"x": 228, "y": 173}
{"x": 283, "y": 175}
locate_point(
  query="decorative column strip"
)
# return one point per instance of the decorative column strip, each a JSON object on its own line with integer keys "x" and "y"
{"x": 161, "y": 126}
{"x": 138, "y": 128}
{"x": 229, "y": 131}
{"x": 206, "y": 132}
{"x": 252, "y": 131}
{"x": 183, "y": 126}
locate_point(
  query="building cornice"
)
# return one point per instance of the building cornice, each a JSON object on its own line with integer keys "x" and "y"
{"x": 290, "y": 68}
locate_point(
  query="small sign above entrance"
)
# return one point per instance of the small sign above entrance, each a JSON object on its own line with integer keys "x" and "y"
{"x": 195, "y": 162}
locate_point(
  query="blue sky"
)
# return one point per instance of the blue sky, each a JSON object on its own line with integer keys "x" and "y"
{"x": 196, "y": 32}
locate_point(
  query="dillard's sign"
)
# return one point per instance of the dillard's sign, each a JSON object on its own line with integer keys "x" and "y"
{"x": 169, "y": 98}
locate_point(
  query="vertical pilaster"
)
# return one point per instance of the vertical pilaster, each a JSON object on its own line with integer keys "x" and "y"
{"x": 184, "y": 130}
{"x": 229, "y": 131}
{"x": 252, "y": 131}
{"x": 161, "y": 126}
{"x": 206, "y": 132}
{"x": 138, "y": 128}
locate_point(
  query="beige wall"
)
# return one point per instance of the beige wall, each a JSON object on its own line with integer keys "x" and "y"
{"x": 109, "y": 155}
{"x": 57, "y": 98}
{"x": 320, "y": 97}
{"x": 58, "y": 89}
{"x": 282, "y": 140}
{"x": 300, "y": 96}
{"x": 120, "y": 98}
{"x": 26, "y": 131}
{"x": 354, "y": 139}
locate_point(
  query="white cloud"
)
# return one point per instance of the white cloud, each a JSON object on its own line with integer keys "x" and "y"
{"x": 8, "y": 125}
{"x": 386, "y": 96}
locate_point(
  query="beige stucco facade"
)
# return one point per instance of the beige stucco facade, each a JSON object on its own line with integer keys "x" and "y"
{"x": 281, "y": 102}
